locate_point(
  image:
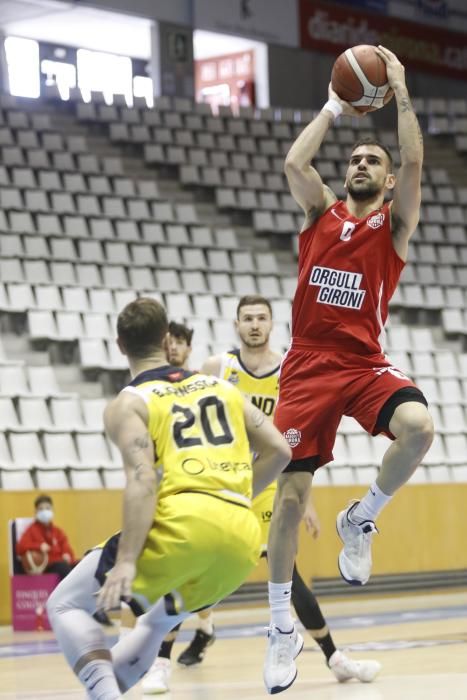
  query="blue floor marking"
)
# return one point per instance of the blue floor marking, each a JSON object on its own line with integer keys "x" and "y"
{"x": 49, "y": 646}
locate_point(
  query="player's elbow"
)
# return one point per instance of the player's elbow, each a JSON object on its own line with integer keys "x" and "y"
{"x": 291, "y": 166}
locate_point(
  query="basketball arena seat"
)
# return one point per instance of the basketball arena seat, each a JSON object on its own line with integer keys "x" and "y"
{"x": 83, "y": 205}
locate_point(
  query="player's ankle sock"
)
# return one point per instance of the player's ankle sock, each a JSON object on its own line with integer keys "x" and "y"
{"x": 371, "y": 505}
{"x": 326, "y": 645}
{"x": 98, "y": 678}
{"x": 166, "y": 647}
{"x": 205, "y": 624}
{"x": 279, "y": 604}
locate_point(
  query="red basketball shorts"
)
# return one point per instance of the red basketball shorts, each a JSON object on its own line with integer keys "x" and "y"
{"x": 318, "y": 387}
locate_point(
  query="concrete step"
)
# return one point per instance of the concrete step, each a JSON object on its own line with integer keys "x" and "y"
{"x": 68, "y": 374}
{"x": 86, "y": 390}
{"x": 16, "y": 346}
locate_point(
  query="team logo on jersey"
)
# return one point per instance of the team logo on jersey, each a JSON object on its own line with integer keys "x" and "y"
{"x": 391, "y": 370}
{"x": 175, "y": 376}
{"x": 376, "y": 221}
{"x": 234, "y": 378}
{"x": 347, "y": 230}
{"x": 337, "y": 287}
{"x": 293, "y": 436}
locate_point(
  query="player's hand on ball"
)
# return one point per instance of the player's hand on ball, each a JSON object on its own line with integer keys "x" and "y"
{"x": 394, "y": 68}
{"x": 117, "y": 586}
{"x": 347, "y": 108}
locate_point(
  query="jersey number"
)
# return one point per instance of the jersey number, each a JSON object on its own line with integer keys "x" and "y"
{"x": 189, "y": 419}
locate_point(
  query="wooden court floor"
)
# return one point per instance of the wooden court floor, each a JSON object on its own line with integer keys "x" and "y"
{"x": 420, "y": 640}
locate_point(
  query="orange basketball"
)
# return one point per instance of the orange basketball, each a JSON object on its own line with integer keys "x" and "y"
{"x": 34, "y": 562}
{"x": 359, "y": 77}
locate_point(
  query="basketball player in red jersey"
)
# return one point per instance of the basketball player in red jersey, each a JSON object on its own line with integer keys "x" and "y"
{"x": 351, "y": 254}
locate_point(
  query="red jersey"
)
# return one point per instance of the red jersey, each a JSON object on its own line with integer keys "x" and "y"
{"x": 347, "y": 272}
{"x": 37, "y": 533}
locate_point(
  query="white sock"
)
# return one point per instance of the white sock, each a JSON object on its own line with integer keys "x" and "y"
{"x": 205, "y": 624}
{"x": 99, "y": 680}
{"x": 371, "y": 505}
{"x": 279, "y": 605}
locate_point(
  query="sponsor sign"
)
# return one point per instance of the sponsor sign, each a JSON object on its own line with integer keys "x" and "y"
{"x": 325, "y": 27}
{"x": 338, "y": 287}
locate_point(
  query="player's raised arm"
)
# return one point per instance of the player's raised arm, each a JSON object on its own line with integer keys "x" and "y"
{"x": 305, "y": 184}
{"x": 407, "y": 192}
{"x": 126, "y": 420}
{"x": 273, "y": 452}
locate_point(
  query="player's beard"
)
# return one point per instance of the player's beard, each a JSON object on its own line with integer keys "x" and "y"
{"x": 364, "y": 191}
{"x": 259, "y": 341}
{"x": 176, "y": 359}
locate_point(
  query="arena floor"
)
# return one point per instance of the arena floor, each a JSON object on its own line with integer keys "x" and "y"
{"x": 421, "y": 641}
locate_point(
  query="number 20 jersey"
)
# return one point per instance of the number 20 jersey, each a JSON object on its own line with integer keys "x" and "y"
{"x": 200, "y": 440}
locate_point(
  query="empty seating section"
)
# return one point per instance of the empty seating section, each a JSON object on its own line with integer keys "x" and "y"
{"x": 80, "y": 238}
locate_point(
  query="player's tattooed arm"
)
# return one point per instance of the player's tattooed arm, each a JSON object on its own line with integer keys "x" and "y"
{"x": 405, "y": 211}
{"x": 405, "y": 104}
{"x": 126, "y": 420}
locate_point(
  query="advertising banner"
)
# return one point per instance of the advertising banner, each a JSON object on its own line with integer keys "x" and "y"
{"x": 325, "y": 27}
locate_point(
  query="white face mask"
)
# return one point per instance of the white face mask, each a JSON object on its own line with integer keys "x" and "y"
{"x": 45, "y": 516}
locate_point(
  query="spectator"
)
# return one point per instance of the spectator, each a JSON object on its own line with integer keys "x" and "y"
{"x": 43, "y": 536}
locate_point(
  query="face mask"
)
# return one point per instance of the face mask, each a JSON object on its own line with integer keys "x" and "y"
{"x": 45, "y": 516}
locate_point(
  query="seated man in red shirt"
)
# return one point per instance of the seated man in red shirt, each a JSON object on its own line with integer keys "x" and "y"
{"x": 43, "y": 536}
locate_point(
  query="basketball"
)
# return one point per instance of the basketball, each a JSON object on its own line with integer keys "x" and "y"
{"x": 34, "y": 562}
{"x": 359, "y": 77}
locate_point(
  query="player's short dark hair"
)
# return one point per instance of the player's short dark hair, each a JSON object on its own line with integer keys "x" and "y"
{"x": 141, "y": 327}
{"x": 250, "y": 300}
{"x": 370, "y": 141}
{"x": 43, "y": 498}
{"x": 179, "y": 330}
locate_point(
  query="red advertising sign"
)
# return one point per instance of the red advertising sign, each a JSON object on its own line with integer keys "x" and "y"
{"x": 327, "y": 27}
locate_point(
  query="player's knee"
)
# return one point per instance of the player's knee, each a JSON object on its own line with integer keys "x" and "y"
{"x": 418, "y": 431}
{"x": 290, "y": 507}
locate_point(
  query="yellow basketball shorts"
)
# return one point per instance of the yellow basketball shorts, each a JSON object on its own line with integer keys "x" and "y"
{"x": 262, "y": 508}
{"x": 200, "y": 547}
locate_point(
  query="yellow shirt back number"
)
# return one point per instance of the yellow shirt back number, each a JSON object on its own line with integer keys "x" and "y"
{"x": 215, "y": 432}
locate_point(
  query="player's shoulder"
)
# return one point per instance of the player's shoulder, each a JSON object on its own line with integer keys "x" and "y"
{"x": 276, "y": 357}
{"x": 213, "y": 364}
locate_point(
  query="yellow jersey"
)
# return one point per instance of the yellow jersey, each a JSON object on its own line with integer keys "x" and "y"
{"x": 262, "y": 390}
{"x": 200, "y": 440}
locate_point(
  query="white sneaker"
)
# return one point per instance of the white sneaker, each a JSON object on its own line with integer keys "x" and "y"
{"x": 156, "y": 680}
{"x": 355, "y": 557}
{"x": 344, "y": 668}
{"x": 279, "y": 671}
